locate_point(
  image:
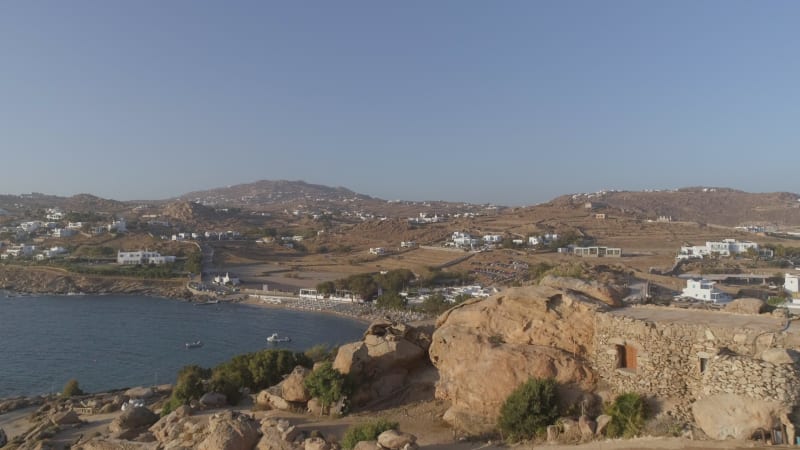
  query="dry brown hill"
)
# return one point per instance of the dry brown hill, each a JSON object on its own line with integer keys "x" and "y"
{"x": 719, "y": 206}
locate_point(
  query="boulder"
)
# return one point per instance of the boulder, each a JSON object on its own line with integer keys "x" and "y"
{"x": 213, "y": 400}
{"x": 140, "y": 392}
{"x": 3, "y": 438}
{"x": 230, "y": 430}
{"x": 316, "y": 443}
{"x": 602, "y": 423}
{"x": 587, "y": 427}
{"x": 351, "y": 358}
{"x": 752, "y": 306}
{"x": 293, "y": 389}
{"x": 731, "y": 416}
{"x": 272, "y": 438}
{"x": 395, "y": 440}
{"x": 65, "y": 418}
{"x": 779, "y": 356}
{"x": 608, "y": 294}
{"x": 484, "y": 349}
{"x": 115, "y": 444}
{"x": 133, "y": 419}
{"x": 169, "y": 427}
{"x": 315, "y": 408}
{"x": 367, "y": 445}
{"x": 272, "y": 398}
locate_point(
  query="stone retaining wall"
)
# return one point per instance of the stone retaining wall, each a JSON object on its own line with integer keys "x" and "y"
{"x": 753, "y": 378}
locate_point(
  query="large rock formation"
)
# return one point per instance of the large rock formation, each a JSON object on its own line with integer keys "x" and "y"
{"x": 731, "y": 416}
{"x": 484, "y": 349}
{"x": 609, "y": 294}
{"x": 390, "y": 356}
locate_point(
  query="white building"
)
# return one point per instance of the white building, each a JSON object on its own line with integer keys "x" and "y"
{"x": 63, "y": 232}
{"x": 791, "y": 284}
{"x": 492, "y": 239}
{"x": 75, "y": 225}
{"x": 380, "y": 251}
{"x": 597, "y": 252}
{"x": 30, "y": 227}
{"x": 226, "y": 279}
{"x": 704, "y": 290}
{"x": 54, "y": 214}
{"x": 143, "y": 257}
{"x": 725, "y": 247}
{"x": 118, "y": 225}
{"x": 407, "y": 244}
{"x": 461, "y": 239}
{"x": 22, "y": 250}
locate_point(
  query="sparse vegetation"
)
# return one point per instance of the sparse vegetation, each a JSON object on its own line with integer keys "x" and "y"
{"x": 71, "y": 389}
{"x": 628, "y": 413}
{"x": 327, "y": 384}
{"x": 368, "y": 431}
{"x": 528, "y": 411}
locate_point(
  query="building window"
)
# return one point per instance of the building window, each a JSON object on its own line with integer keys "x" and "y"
{"x": 626, "y": 357}
{"x": 703, "y": 364}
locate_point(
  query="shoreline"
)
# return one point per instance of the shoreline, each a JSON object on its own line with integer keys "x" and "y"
{"x": 360, "y": 312}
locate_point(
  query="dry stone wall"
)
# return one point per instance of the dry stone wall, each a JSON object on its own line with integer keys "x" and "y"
{"x": 753, "y": 378}
{"x": 683, "y": 362}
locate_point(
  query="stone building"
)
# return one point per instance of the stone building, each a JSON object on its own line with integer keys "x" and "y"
{"x": 685, "y": 357}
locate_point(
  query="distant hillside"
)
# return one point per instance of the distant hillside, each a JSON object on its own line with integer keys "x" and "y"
{"x": 273, "y": 192}
{"x": 77, "y": 203}
{"x": 719, "y": 206}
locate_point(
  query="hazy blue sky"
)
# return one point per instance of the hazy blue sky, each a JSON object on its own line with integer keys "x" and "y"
{"x": 512, "y": 102}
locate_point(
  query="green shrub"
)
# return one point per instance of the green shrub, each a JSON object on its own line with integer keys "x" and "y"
{"x": 327, "y": 384}
{"x": 628, "y": 414}
{"x": 71, "y": 389}
{"x": 368, "y": 431}
{"x": 528, "y": 411}
{"x": 320, "y": 353}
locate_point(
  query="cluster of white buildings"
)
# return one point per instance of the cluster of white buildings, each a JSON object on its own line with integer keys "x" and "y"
{"x": 143, "y": 257}
{"x": 225, "y": 280}
{"x": 27, "y": 251}
{"x": 544, "y": 239}
{"x": 725, "y": 247}
{"x": 461, "y": 239}
{"x": 424, "y": 219}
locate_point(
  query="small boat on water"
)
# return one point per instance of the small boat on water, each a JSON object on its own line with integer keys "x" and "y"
{"x": 275, "y": 338}
{"x": 195, "y": 344}
{"x": 209, "y": 302}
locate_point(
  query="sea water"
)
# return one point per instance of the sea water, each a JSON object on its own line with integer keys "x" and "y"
{"x": 114, "y": 341}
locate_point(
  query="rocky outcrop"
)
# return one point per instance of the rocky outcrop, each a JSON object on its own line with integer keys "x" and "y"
{"x": 132, "y": 422}
{"x": 115, "y": 444}
{"x": 484, "y": 349}
{"x": 230, "y": 430}
{"x": 385, "y": 360}
{"x": 49, "y": 280}
{"x": 609, "y": 294}
{"x": 293, "y": 388}
{"x": 751, "y": 306}
{"x": 396, "y": 440}
{"x": 213, "y": 400}
{"x": 731, "y": 416}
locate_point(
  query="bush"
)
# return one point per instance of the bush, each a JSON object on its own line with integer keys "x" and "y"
{"x": 528, "y": 411}
{"x": 327, "y": 384}
{"x": 71, "y": 389}
{"x": 320, "y": 353}
{"x": 368, "y": 431}
{"x": 628, "y": 414}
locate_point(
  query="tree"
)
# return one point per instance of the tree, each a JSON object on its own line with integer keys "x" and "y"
{"x": 435, "y": 304}
{"x": 189, "y": 385}
{"x": 71, "y": 389}
{"x": 327, "y": 384}
{"x": 391, "y": 301}
{"x": 326, "y": 288}
{"x": 529, "y": 409}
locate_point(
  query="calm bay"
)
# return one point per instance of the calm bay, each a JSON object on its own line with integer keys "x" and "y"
{"x": 110, "y": 341}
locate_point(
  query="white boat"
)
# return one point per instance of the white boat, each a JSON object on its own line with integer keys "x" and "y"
{"x": 195, "y": 344}
{"x": 275, "y": 338}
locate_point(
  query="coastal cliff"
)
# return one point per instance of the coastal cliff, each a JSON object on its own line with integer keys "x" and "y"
{"x": 48, "y": 280}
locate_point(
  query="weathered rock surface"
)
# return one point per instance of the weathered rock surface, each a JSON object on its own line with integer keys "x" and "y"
{"x": 115, "y": 444}
{"x": 213, "y": 400}
{"x": 273, "y": 398}
{"x": 385, "y": 360}
{"x": 366, "y": 445}
{"x": 277, "y": 435}
{"x": 753, "y": 306}
{"x": 726, "y": 416}
{"x": 316, "y": 443}
{"x": 608, "y": 294}
{"x": 779, "y": 356}
{"x": 65, "y": 418}
{"x": 133, "y": 419}
{"x": 293, "y": 389}
{"x": 169, "y": 427}
{"x": 230, "y": 430}
{"x": 484, "y": 349}
{"x": 140, "y": 392}
{"x": 3, "y": 438}
{"x": 395, "y": 440}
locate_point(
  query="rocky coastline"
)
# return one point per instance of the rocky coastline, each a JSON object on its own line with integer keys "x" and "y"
{"x": 48, "y": 280}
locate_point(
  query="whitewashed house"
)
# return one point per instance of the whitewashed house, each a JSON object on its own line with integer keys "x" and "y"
{"x": 75, "y": 225}
{"x": 20, "y": 251}
{"x": 143, "y": 257}
{"x": 380, "y": 251}
{"x": 725, "y": 247}
{"x": 30, "y": 227}
{"x": 226, "y": 280}
{"x": 492, "y": 239}
{"x": 791, "y": 284}
{"x": 461, "y": 239}
{"x": 704, "y": 290}
{"x": 63, "y": 232}
{"x": 118, "y": 225}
